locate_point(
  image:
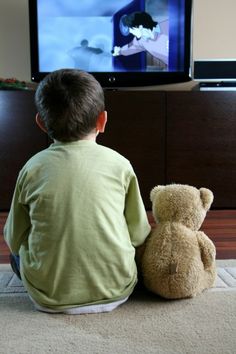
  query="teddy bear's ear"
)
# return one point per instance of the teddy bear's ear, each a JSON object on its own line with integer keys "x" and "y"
{"x": 207, "y": 197}
{"x": 154, "y": 191}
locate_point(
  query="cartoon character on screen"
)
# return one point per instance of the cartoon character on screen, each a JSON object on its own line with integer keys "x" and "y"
{"x": 149, "y": 36}
{"x": 83, "y": 54}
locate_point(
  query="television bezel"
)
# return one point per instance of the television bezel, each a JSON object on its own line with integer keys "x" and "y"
{"x": 119, "y": 79}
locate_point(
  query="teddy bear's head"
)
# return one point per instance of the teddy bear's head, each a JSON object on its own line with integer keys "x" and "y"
{"x": 181, "y": 203}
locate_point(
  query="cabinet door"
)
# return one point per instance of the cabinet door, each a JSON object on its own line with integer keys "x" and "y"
{"x": 201, "y": 142}
{"x": 136, "y": 129}
{"x": 20, "y": 138}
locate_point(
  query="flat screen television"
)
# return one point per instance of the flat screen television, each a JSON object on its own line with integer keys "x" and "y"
{"x": 122, "y": 43}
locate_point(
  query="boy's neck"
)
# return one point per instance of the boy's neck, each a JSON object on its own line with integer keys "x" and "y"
{"x": 91, "y": 136}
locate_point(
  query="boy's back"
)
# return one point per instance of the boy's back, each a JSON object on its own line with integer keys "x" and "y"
{"x": 76, "y": 218}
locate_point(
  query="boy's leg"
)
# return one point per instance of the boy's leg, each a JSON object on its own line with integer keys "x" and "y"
{"x": 15, "y": 264}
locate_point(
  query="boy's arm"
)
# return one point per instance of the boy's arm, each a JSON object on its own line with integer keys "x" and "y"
{"x": 131, "y": 48}
{"x": 135, "y": 214}
{"x": 17, "y": 225}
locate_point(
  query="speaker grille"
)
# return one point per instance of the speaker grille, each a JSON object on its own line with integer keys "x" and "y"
{"x": 215, "y": 70}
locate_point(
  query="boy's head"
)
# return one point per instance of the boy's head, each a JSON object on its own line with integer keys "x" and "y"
{"x": 137, "y": 19}
{"x": 69, "y": 103}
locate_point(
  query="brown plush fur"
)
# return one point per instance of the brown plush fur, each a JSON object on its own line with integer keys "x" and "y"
{"x": 178, "y": 260}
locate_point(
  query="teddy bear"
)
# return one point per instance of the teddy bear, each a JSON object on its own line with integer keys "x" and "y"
{"x": 178, "y": 261}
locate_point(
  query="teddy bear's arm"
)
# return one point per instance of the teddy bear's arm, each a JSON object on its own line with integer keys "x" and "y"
{"x": 207, "y": 247}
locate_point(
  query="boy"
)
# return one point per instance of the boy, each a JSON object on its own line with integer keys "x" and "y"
{"x": 147, "y": 37}
{"x": 76, "y": 214}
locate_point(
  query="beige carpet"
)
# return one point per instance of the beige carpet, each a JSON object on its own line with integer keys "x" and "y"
{"x": 145, "y": 324}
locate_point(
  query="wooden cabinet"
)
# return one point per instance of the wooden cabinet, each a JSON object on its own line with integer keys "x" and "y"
{"x": 201, "y": 142}
{"x": 173, "y": 136}
{"x": 20, "y": 139}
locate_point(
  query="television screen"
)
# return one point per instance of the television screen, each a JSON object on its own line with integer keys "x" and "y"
{"x": 121, "y": 42}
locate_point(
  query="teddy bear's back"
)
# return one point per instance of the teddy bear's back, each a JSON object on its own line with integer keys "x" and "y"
{"x": 173, "y": 239}
{"x": 172, "y": 254}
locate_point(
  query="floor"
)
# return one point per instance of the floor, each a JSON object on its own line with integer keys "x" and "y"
{"x": 219, "y": 225}
{"x": 4, "y": 253}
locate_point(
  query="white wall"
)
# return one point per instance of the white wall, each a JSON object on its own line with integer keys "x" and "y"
{"x": 214, "y": 34}
{"x": 14, "y": 39}
{"x": 214, "y": 29}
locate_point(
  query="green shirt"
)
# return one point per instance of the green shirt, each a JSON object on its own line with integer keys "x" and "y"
{"x": 75, "y": 219}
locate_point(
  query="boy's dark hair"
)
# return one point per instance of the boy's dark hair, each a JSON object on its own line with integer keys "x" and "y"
{"x": 139, "y": 18}
{"x": 69, "y": 102}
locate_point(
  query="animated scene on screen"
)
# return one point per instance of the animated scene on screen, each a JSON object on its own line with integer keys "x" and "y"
{"x": 111, "y": 36}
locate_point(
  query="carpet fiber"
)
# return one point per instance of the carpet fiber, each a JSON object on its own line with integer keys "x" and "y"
{"x": 145, "y": 324}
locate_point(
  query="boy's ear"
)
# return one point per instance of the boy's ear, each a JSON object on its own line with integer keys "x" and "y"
{"x": 101, "y": 122}
{"x": 40, "y": 123}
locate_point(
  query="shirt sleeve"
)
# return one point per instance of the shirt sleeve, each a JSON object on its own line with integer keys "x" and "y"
{"x": 131, "y": 48}
{"x": 17, "y": 226}
{"x": 135, "y": 214}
